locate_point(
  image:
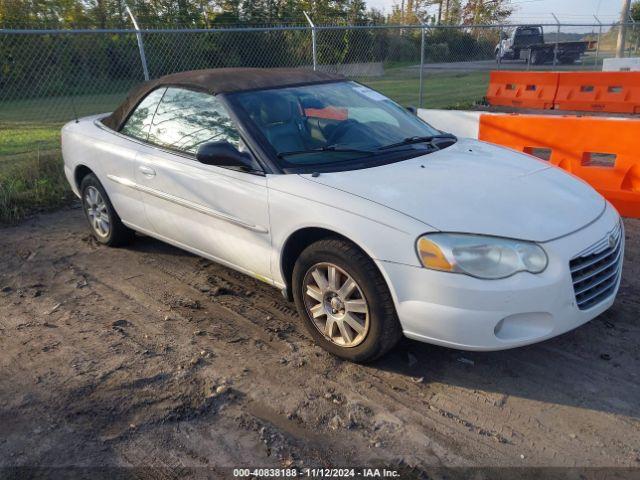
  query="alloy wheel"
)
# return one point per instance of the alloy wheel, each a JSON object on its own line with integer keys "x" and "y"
{"x": 97, "y": 212}
{"x": 336, "y": 305}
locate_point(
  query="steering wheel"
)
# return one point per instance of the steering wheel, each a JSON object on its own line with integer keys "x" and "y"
{"x": 340, "y": 130}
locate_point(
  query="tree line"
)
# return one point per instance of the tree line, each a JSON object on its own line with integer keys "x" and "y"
{"x": 210, "y": 13}
{"x": 47, "y": 64}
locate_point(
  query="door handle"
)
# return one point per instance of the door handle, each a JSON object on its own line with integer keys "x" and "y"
{"x": 147, "y": 171}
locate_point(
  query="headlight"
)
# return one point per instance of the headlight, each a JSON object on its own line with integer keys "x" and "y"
{"x": 480, "y": 256}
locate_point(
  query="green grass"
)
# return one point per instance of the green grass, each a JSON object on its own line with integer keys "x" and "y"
{"x": 32, "y": 184}
{"x": 440, "y": 90}
{"x": 58, "y": 109}
{"x": 31, "y": 173}
{"x": 24, "y": 138}
{"x": 34, "y": 124}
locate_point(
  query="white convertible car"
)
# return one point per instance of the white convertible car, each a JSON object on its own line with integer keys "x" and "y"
{"x": 375, "y": 223}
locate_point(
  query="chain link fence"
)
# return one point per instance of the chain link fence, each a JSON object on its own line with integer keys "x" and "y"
{"x": 48, "y": 77}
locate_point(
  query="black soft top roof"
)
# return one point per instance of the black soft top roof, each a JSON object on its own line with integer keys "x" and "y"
{"x": 219, "y": 80}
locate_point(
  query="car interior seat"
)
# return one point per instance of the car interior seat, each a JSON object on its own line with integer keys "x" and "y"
{"x": 282, "y": 123}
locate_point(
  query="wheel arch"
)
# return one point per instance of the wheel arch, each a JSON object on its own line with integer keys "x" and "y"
{"x": 300, "y": 239}
{"x": 79, "y": 173}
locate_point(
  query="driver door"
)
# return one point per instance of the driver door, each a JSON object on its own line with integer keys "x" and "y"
{"x": 214, "y": 211}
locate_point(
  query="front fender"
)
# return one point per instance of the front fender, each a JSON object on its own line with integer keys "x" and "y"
{"x": 383, "y": 234}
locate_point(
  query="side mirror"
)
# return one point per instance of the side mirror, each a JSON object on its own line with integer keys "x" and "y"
{"x": 503, "y": 35}
{"x": 412, "y": 110}
{"x": 223, "y": 154}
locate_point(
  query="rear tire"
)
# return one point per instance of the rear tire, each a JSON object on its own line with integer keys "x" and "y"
{"x": 353, "y": 294}
{"x": 105, "y": 224}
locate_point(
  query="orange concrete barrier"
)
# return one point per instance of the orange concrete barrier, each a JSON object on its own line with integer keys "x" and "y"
{"x": 615, "y": 92}
{"x": 523, "y": 89}
{"x": 602, "y": 151}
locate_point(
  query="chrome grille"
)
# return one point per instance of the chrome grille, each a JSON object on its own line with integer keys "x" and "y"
{"x": 596, "y": 270}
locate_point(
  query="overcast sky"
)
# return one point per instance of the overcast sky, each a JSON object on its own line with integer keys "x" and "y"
{"x": 571, "y": 11}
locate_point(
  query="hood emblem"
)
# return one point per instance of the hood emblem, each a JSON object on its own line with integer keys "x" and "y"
{"x": 612, "y": 241}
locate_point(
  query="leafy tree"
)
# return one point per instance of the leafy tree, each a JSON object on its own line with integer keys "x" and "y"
{"x": 634, "y": 32}
{"x": 356, "y": 11}
{"x": 452, "y": 12}
{"x": 477, "y": 12}
{"x": 635, "y": 11}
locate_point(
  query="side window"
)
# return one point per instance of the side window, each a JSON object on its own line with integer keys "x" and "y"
{"x": 137, "y": 125}
{"x": 186, "y": 119}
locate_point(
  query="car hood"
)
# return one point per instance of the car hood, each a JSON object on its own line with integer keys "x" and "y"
{"x": 476, "y": 187}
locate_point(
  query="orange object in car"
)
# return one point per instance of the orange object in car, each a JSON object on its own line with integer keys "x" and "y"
{"x": 327, "y": 113}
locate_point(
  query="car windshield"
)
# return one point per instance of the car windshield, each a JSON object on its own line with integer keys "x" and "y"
{"x": 333, "y": 123}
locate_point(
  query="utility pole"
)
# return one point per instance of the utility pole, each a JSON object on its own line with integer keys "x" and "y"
{"x": 439, "y": 13}
{"x": 622, "y": 32}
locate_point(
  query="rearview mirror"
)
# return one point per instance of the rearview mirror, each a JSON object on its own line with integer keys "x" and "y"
{"x": 223, "y": 154}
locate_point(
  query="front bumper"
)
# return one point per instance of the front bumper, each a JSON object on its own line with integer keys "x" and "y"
{"x": 463, "y": 312}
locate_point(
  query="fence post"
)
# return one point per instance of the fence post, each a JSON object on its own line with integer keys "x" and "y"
{"x": 143, "y": 57}
{"x": 422, "y": 44}
{"x": 633, "y": 35}
{"x": 313, "y": 41}
{"x": 500, "y": 50}
{"x": 555, "y": 49}
{"x": 599, "y": 38}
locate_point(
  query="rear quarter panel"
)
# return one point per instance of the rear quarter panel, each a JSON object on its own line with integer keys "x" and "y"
{"x": 104, "y": 152}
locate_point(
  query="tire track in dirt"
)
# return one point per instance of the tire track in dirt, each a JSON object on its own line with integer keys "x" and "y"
{"x": 458, "y": 417}
{"x": 150, "y": 342}
{"x": 181, "y": 272}
{"x": 470, "y": 422}
{"x": 244, "y": 306}
{"x": 194, "y": 293}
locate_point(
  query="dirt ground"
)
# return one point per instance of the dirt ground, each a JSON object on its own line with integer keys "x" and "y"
{"x": 150, "y": 356}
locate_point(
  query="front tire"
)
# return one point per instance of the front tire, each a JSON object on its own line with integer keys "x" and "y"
{"x": 344, "y": 301}
{"x": 105, "y": 224}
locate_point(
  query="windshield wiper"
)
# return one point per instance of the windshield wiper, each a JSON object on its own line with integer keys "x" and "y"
{"x": 412, "y": 140}
{"x": 326, "y": 148}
